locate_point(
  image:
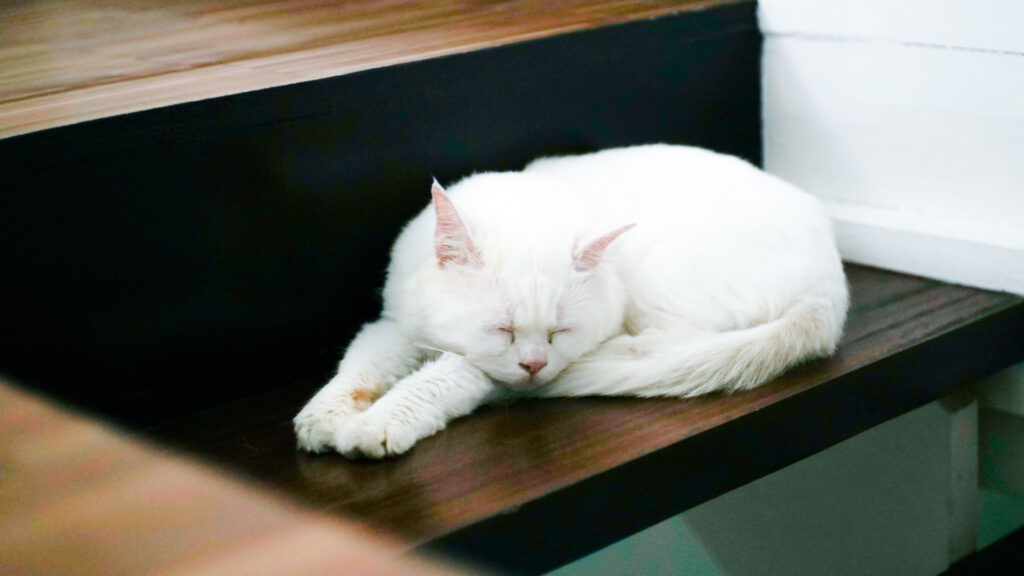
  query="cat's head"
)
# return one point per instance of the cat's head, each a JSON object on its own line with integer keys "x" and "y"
{"x": 519, "y": 315}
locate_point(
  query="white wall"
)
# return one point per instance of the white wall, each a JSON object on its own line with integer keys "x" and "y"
{"x": 982, "y": 25}
{"x": 907, "y": 118}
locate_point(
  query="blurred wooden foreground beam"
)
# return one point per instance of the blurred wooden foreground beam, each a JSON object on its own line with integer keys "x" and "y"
{"x": 79, "y": 498}
{"x": 67, "y": 62}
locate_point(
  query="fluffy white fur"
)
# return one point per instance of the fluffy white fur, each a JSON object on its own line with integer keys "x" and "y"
{"x": 538, "y": 282}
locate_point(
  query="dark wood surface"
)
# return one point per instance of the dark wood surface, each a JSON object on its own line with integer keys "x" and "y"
{"x": 66, "y": 62}
{"x": 561, "y": 478}
{"x": 79, "y": 498}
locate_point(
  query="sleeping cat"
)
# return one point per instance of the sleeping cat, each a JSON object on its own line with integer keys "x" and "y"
{"x": 654, "y": 270}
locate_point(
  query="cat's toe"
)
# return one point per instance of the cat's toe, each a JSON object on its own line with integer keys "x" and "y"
{"x": 369, "y": 438}
{"x": 315, "y": 428}
{"x": 346, "y": 439}
{"x": 357, "y": 439}
{"x": 398, "y": 439}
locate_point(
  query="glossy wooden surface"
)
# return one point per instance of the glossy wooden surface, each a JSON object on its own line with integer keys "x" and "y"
{"x": 79, "y": 498}
{"x": 63, "y": 62}
{"x": 492, "y": 463}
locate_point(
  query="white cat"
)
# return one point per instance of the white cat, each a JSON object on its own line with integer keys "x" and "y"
{"x": 652, "y": 270}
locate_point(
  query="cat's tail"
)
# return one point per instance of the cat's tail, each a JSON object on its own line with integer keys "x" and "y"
{"x": 690, "y": 363}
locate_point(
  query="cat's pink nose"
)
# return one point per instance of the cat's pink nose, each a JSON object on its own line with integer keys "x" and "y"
{"x": 533, "y": 366}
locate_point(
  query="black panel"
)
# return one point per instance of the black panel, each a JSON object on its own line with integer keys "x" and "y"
{"x": 168, "y": 260}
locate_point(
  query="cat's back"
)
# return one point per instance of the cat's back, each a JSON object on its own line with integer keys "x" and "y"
{"x": 714, "y": 235}
{"x": 639, "y": 165}
{"x": 628, "y": 159}
{"x": 659, "y": 176}
{"x": 675, "y": 184}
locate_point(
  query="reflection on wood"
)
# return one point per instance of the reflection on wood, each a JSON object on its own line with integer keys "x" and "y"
{"x": 66, "y": 62}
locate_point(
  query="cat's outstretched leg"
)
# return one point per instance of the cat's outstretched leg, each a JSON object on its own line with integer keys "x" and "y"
{"x": 379, "y": 356}
{"x": 420, "y": 405}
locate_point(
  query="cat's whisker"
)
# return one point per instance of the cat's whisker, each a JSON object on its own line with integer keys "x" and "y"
{"x": 425, "y": 346}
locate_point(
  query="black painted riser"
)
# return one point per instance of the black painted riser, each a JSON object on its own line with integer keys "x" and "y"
{"x": 168, "y": 260}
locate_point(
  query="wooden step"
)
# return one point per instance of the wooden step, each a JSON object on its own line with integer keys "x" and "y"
{"x": 533, "y": 485}
{"x": 64, "y": 63}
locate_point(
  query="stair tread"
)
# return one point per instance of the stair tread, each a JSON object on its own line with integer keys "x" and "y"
{"x": 64, "y": 63}
{"x": 908, "y": 341}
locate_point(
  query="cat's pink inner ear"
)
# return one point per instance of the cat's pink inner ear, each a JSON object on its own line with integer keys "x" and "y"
{"x": 587, "y": 257}
{"x": 452, "y": 243}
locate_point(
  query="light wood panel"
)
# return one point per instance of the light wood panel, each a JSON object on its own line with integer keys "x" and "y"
{"x": 66, "y": 61}
{"x": 78, "y": 498}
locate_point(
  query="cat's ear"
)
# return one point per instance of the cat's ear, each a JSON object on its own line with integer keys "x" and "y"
{"x": 586, "y": 257}
{"x": 452, "y": 243}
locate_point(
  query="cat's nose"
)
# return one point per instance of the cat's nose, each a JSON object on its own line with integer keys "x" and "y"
{"x": 533, "y": 366}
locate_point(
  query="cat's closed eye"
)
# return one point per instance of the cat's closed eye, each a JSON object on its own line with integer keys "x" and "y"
{"x": 508, "y": 331}
{"x": 555, "y": 331}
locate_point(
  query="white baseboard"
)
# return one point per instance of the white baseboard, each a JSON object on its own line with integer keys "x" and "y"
{"x": 985, "y": 256}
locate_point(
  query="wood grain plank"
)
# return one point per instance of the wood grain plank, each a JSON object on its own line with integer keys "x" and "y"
{"x": 79, "y": 498}
{"x": 503, "y": 458}
{"x": 64, "y": 62}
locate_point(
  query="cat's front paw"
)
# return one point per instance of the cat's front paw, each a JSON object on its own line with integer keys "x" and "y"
{"x": 367, "y": 436}
{"x": 318, "y": 423}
